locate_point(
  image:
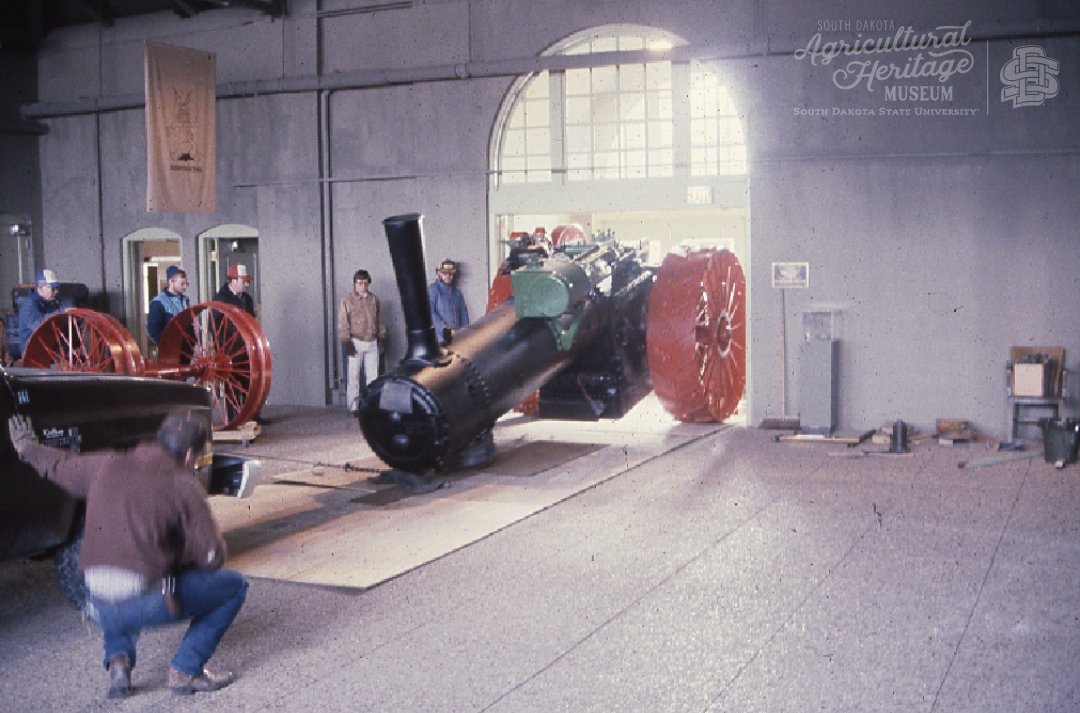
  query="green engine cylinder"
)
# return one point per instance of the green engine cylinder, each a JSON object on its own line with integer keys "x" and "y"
{"x": 550, "y": 288}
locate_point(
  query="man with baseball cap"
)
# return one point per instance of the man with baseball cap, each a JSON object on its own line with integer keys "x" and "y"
{"x": 171, "y": 302}
{"x": 448, "y": 310}
{"x": 38, "y": 305}
{"x": 234, "y": 291}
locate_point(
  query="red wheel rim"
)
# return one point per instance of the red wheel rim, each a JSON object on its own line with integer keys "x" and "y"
{"x": 224, "y": 348}
{"x": 83, "y": 340}
{"x": 721, "y": 334}
{"x": 134, "y": 360}
{"x": 696, "y": 335}
{"x": 502, "y": 290}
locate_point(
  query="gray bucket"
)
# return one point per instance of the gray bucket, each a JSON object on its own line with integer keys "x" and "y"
{"x": 1061, "y": 440}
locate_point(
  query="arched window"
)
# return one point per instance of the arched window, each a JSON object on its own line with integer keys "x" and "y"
{"x": 526, "y": 142}
{"x": 618, "y": 122}
{"x": 625, "y": 121}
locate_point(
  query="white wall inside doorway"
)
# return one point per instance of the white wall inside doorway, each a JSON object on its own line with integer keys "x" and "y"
{"x": 148, "y": 252}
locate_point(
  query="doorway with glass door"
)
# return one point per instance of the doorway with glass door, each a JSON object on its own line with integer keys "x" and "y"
{"x": 148, "y": 255}
{"x": 220, "y": 253}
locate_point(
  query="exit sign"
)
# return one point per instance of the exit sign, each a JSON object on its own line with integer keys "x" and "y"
{"x": 699, "y": 195}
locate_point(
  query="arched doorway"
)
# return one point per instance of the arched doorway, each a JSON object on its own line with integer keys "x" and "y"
{"x": 223, "y": 246}
{"x": 647, "y": 151}
{"x": 148, "y": 252}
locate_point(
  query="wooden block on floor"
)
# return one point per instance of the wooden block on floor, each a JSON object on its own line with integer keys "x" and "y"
{"x": 951, "y": 424}
{"x": 951, "y": 431}
{"x": 951, "y": 438}
{"x": 247, "y": 432}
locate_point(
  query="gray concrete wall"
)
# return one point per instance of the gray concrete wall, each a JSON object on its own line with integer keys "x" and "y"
{"x": 20, "y": 174}
{"x": 944, "y": 240}
{"x": 396, "y": 153}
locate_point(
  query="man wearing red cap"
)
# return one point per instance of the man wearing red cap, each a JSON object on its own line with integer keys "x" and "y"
{"x": 234, "y": 292}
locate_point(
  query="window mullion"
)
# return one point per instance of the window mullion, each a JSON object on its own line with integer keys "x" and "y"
{"x": 557, "y": 101}
{"x": 680, "y": 117}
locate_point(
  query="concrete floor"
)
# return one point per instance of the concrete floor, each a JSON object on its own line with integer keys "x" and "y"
{"x": 712, "y": 570}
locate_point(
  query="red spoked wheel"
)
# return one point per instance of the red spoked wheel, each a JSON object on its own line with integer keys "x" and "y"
{"x": 221, "y": 346}
{"x": 696, "y": 334}
{"x": 83, "y": 340}
{"x": 568, "y": 235}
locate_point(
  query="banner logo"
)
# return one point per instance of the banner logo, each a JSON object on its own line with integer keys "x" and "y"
{"x": 938, "y": 56}
{"x": 181, "y": 145}
{"x": 890, "y": 70}
{"x": 182, "y": 130}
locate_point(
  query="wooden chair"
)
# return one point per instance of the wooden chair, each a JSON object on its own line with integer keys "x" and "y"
{"x": 1053, "y": 398}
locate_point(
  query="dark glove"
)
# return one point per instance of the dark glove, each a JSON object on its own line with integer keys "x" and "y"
{"x": 350, "y": 348}
{"x": 21, "y": 432}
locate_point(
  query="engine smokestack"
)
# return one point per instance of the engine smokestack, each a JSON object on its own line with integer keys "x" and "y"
{"x": 406, "y": 241}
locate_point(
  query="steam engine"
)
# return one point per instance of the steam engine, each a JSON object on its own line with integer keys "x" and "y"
{"x": 574, "y": 329}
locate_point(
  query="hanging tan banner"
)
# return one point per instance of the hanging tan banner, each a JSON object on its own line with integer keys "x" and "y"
{"x": 181, "y": 150}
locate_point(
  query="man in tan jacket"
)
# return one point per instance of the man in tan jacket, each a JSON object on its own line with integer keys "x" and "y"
{"x": 362, "y": 334}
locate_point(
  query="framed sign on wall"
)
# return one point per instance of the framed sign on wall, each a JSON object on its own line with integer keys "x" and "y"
{"x": 791, "y": 275}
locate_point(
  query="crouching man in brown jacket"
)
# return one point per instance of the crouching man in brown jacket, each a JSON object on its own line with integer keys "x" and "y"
{"x": 152, "y": 552}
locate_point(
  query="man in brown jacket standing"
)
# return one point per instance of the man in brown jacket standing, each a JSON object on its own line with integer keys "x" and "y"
{"x": 362, "y": 332}
{"x": 152, "y": 552}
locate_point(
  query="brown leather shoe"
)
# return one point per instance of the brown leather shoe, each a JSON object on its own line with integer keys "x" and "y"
{"x": 183, "y": 684}
{"x": 119, "y": 676}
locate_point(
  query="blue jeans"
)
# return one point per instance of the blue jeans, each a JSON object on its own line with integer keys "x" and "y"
{"x": 210, "y": 598}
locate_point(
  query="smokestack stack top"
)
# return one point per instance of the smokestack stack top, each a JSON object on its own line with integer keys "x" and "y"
{"x": 398, "y": 220}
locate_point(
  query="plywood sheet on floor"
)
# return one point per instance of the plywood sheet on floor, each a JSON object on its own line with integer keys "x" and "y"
{"x": 331, "y": 525}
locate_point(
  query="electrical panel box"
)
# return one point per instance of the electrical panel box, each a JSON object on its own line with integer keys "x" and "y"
{"x": 818, "y": 360}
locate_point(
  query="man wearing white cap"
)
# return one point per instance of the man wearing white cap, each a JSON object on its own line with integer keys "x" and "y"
{"x": 38, "y": 305}
{"x": 234, "y": 291}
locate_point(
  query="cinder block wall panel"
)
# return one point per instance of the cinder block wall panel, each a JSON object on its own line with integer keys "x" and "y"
{"x": 502, "y": 30}
{"x": 430, "y": 33}
{"x": 70, "y": 221}
{"x": 90, "y": 60}
{"x": 933, "y": 283}
{"x": 290, "y": 268}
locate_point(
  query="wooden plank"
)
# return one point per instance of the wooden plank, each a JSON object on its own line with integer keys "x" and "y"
{"x": 850, "y": 439}
{"x": 997, "y": 460}
{"x": 247, "y": 432}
